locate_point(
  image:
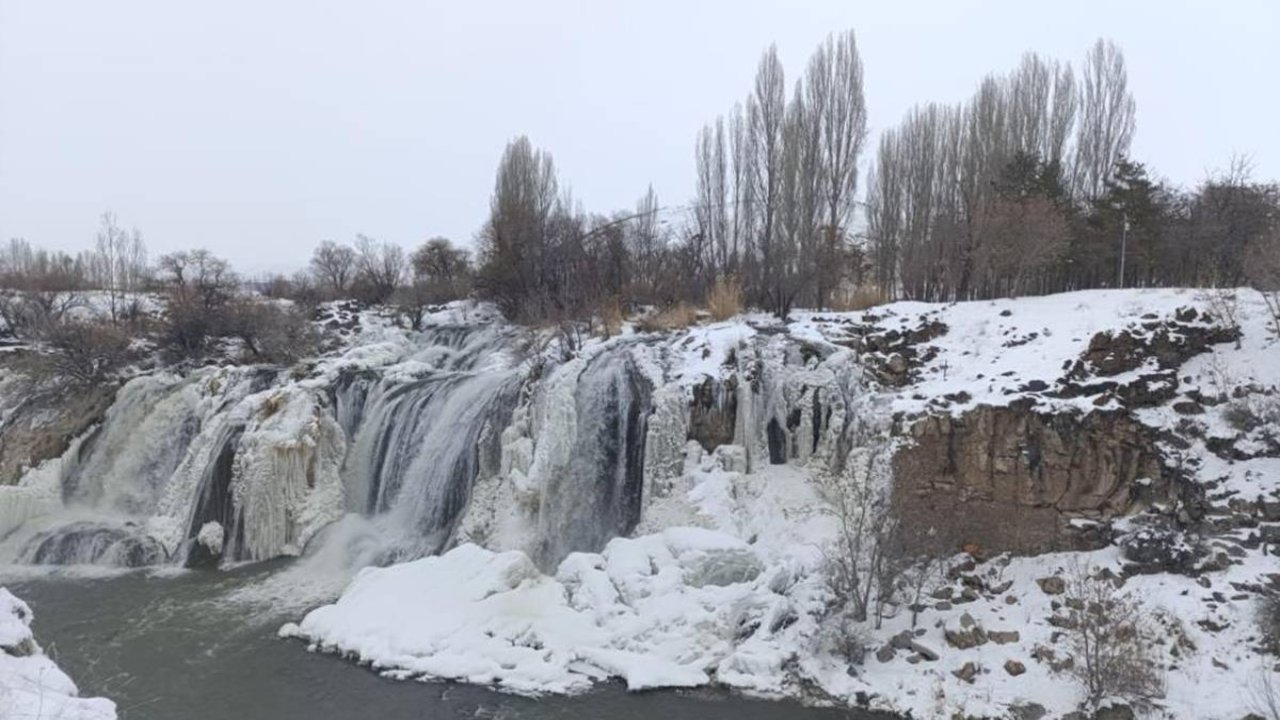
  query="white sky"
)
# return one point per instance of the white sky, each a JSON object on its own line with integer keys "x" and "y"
{"x": 257, "y": 129}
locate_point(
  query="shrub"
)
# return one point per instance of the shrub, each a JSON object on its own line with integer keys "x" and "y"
{"x": 86, "y": 352}
{"x": 1269, "y": 622}
{"x": 1112, "y": 642}
{"x": 724, "y": 300}
{"x": 272, "y": 332}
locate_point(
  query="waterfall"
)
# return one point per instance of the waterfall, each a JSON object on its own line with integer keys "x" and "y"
{"x": 452, "y": 435}
{"x": 594, "y": 493}
{"x": 420, "y": 443}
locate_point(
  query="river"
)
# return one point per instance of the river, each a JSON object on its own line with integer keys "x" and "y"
{"x": 177, "y": 646}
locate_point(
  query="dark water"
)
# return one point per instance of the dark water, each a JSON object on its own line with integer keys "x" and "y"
{"x": 173, "y": 648}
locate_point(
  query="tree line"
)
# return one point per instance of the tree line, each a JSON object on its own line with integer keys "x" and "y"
{"x": 1025, "y": 188}
{"x": 1028, "y": 188}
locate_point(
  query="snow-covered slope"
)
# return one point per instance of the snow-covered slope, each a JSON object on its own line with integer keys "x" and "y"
{"x": 665, "y": 508}
{"x": 723, "y": 582}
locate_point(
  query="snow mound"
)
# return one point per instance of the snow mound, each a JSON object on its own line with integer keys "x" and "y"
{"x": 656, "y": 611}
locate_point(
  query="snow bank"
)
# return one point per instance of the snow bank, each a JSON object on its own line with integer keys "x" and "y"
{"x": 31, "y": 685}
{"x": 655, "y": 611}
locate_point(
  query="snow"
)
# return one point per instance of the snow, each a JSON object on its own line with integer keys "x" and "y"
{"x": 31, "y": 685}
{"x": 721, "y": 581}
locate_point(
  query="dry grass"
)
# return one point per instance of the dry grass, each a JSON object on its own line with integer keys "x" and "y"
{"x": 675, "y": 317}
{"x": 855, "y": 298}
{"x": 610, "y": 317}
{"x": 724, "y": 300}
{"x": 271, "y": 406}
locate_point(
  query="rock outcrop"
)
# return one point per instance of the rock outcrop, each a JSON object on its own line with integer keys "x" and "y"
{"x": 1011, "y": 479}
{"x": 45, "y": 423}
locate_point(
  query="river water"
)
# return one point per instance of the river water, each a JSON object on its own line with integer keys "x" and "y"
{"x": 175, "y": 646}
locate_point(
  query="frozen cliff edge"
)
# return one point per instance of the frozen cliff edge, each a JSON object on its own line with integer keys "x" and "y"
{"x": 31, "y": 685}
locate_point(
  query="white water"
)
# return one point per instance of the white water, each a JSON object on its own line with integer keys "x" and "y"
{"x": 564, "y": 455}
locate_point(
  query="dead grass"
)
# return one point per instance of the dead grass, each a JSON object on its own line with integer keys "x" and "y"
{"x": 861, "y": 297}
{"x": 724, "y": 300}
{"x": 610, "y": 317}
{"x": 675, "y": 317}
{"x": 271, "y": 406}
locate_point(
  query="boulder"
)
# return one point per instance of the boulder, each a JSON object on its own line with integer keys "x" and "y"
{"x": 967, "y": 672}
{"x": 968, "y": 635}
{"x": 1004, "y": 637}
{"x": 1052, "y": 585}
{"x": 924, "y": 651}
{"x": 1014, "y": 668}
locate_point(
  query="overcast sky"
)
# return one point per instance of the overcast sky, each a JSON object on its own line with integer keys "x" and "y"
{"x": 257, "y": 129}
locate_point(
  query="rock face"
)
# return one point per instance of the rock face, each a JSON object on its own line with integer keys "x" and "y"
{"x": 1007, "y": 479}
{"x": 44, "y": 424}
{"x": 713, "y": 410}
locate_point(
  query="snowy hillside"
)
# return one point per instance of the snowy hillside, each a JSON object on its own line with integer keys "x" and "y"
{"x": 738, "y": 601}
{"x": 505, "y": 507}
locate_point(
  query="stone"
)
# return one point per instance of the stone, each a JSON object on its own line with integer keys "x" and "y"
{"x": 885, "y": 654}
{"x": 1000, "y": 588}
{"x": 924, "y": 651}
{"x": 902, "y": 641}
{"x": 969, "y": 635}
{"x": 1053, "y": 585}
{"x": 967, "y": 672}
{"x": 1188, "y": 407}
{"x": 1004, "y": 637}
{"x": 1028, "y": 711}
{"x": 1014, "y": 668}
{"x": 1115, "y": 711}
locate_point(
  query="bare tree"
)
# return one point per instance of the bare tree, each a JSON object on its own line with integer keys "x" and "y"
{"x": 334, "y": 266}
{"x": 1262, "y": 265}
{"x": 1112, "y": 643}
{"x": 836, "y": 100}
{"x": 1107, "y": 118}
{"x": 857, "y": 561}
{"x": 270, "y": 331}
{"x": 119, "y": 262}
{"x": 200, "y": 288}
{"x": 516, "y": 242}
{"x": 380, "y": 269}
{"x": 766, "y": 110}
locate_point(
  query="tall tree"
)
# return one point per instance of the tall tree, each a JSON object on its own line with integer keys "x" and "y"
{"x": 1107, "y": 119}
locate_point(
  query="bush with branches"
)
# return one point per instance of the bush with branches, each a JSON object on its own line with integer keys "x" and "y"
{"x": 1111, "y": 639}
{"x": 861, "y": 563}
{"x": 272, "y": 332}
{"x": 85, "y": 352}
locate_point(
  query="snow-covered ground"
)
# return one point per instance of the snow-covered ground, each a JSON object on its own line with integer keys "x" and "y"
{"x": 32, "y": 687}
{"x": 722, "y": 582}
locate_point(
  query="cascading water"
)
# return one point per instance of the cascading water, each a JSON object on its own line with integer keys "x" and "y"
{"x": 418, "y": 444}
{"x": 233, "y": 465}
{"x": 596, "y": 494}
